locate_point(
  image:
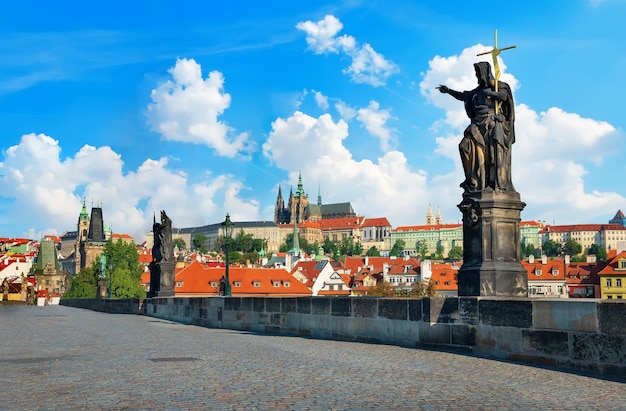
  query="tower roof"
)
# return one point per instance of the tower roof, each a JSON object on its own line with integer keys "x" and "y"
{"x": 83, "y": 213}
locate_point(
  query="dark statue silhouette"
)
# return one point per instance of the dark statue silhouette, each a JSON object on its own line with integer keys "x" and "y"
{"x": 486, "y": 145}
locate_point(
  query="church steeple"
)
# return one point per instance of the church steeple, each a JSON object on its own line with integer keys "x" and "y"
{"x": 319, "y": 195}
{"x": 438, "y": 219}
{"x": 430, "y": 218}
{"x": 300, "y": 191}
{"x": 83, "y": 213}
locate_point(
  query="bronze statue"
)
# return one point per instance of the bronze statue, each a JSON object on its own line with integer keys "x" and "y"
{"x": 486, "y": 145}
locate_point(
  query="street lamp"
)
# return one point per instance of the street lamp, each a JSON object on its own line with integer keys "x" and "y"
{"x": 227, "y": 233}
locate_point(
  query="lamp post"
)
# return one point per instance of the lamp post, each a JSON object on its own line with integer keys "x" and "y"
{"x": 227, "y": 232}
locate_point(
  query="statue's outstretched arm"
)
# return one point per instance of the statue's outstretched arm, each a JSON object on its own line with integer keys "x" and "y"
{"x": 459, "y": 95}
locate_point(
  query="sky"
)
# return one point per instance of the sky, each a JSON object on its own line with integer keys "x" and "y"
{"x": 207, "y": 108}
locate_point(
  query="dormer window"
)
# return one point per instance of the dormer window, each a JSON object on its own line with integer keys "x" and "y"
{"x": 538, "y": 273}
{"x": 237, "y": 284}
{"x": 286, "y": 284}
{"x": 276, "y": 284}
{"x": 256, "y": 284}
{"x": 555, "y": 272}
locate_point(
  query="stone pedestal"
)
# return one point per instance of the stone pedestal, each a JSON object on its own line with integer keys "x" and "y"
{"x": 491, "y": 245}
{"x": 102, "y": 288}
{"x": 162, "y": 279}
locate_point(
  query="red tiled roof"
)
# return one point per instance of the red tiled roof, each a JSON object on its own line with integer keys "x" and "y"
{"x": 546, "y": 270}
{"x": 196, "y": 278}
{"x": 611, "y": 266}
{"x": 376, "y": 222}
{"x": 445, "y": 277}
{"x": 582, "y": 227}
{"x": 345, "y": 223}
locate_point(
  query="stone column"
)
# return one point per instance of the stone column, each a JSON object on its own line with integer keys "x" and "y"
{"x": 102, "y": 288}
{"x": 491, "y": 245}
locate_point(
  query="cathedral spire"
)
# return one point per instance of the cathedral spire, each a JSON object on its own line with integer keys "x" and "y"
{"x": 319, "y": 194}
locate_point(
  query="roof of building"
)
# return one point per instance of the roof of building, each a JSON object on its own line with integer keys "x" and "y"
{"x": 376, "y": 222}
{"x": 611, "y": 267}
{"x": 198, "y": 278}
{"x": 345, "y": 223}
{"x": 582, "y": 227}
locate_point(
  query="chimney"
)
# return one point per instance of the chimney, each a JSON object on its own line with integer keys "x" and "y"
{"x": 531, "y": 259}
{"x": 366, "y": 260}
{"x": 426, "y": 270}
{"x": 544, "y": 259}
{"x": 566, "y": 259}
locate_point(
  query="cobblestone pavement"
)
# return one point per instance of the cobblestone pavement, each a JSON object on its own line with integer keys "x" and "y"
{"x": 66, "y": 358}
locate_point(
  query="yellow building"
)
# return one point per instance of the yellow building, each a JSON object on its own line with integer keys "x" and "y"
{"x": 613, "y": 278}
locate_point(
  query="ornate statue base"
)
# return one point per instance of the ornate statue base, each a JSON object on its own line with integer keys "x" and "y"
{"x": 162, "y": 279}
{"x": 102, "y": 288}
{"x": 491, "y": 245}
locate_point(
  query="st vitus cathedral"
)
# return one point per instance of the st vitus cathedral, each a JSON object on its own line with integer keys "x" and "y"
{"x": 298, "y": 208}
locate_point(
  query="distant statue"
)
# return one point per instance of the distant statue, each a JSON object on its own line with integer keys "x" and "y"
{"x": 5, "y": 289}
{"x": 103, "y": 267}
{"x": 162, "y": 249}
{"x": 486, "y": 145}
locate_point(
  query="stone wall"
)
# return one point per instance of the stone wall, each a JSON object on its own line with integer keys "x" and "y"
{"x": 112, "y": 306}
{"x": 587, "y": 335}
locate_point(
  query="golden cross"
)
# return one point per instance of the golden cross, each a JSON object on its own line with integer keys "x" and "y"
{"x": 494, "y": 54}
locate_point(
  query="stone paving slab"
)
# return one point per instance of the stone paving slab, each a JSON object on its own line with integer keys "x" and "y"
{"x": 62, "y": 358}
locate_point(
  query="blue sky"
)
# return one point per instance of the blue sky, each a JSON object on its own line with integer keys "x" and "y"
{"x": 204, "y": 108}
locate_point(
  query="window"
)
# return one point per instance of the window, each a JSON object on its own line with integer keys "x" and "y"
{"x": 609, "y": 282}
{"x": 286, "y": 284}
{"x": 213, "y": 283}
{"x": 555, "y": 272}
{"x": 276, "y": 284}
{"x": 179, "y": 284}
{"x": 618, "y": 282}
{"x": 538, "y": 273}
{"x": 256, "y": 284}
{"x": 237, "y": 284}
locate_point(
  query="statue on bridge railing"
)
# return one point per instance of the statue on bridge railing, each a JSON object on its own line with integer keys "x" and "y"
{"x": 486, "y": 145}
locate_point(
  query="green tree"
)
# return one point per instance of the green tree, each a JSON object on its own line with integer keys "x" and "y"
{"x": 373, "y": 252}
{"x": 199, "y": 243}
{"x": 330, "y": 248}
{"x": 527, "y": 250}
{"x": 572, "y": 248}
{"x": 439, "y": 252}
{"x": 551, "y": 248}
{"x": 423, "y": 289}
{"x": 422, "y": 249}
{"x": 382, "y": 289}
{"x": 599, "y": 252}
{"x": 123, "y": 269}
{"x": 180, "y": 243}
{"x": 84, "y": 284}
{"x": 456, "y": 253}
{"x": 398, "y": 248}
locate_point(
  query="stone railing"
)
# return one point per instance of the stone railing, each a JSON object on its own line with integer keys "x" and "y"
{"x": 582, "y": 335}
{"x": 113, "y": 306}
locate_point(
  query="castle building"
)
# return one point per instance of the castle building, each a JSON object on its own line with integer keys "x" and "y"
{"x": 299, "y": 209}
{"x": 619, "y": 218}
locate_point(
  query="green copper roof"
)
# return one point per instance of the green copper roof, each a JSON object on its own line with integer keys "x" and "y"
{"x": 83, "y": 213}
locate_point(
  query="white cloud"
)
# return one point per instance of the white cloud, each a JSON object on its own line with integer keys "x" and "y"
{"x": 550, "y": 152}
{"x": 48, "y": 191}
{"x": 345, "y": 111}
{"x": 387, "y": 187}
{"x": 375, "y": 121}
{"x": 187, "y": 108}
{"x": 368, "y": 66}
{"x": 321, "y": 100}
